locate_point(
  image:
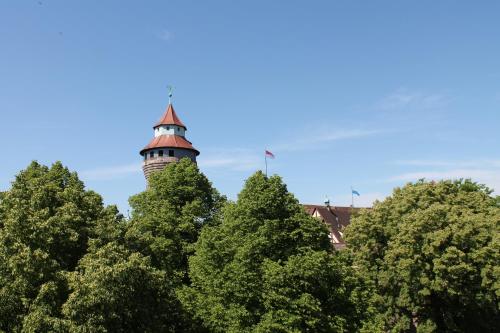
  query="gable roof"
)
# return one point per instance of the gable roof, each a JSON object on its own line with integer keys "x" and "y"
{"x": 336, "y": 219}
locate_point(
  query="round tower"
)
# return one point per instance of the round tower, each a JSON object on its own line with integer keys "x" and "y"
{"x": 168, "y": 145}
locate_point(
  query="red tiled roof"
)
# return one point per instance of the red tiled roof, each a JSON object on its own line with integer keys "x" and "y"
{"x": 336, "y": 218}
{"x": 170, "y": 118}
{"x": 170, "y": 141}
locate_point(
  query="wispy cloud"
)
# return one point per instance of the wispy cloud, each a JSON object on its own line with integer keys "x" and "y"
{"x": 231, "y": 159}
{"x": 324, "y": 137}
{"x": 237, "y": 159}
{"x": 486, "y": 171}
{"x": 113, "y": 172}
{"x": 364, "y": 200}
{"x": 165, "y": 35}
{"x": 404, "y": 99}
{"x": 479, "y": 163}
{"x": 344, "y": 134}
{"x": 243, "y": 159}
{"x": 474, "y": 174}
{"x": 497, "y": 96}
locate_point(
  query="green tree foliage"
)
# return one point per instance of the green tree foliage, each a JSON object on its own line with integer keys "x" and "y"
{"x": 129, "y": 285}
{"x": 116, "y": 290}
{"x": 46, "y": 221}
{"x": 268, "y": 267}
{"x": 428, "y": 255}
{"x": 431, "y": 252}
{"x": 168, "y": 216}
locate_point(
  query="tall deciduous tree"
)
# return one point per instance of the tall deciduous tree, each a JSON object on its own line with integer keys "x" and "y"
{"x": 168, "y": 216}
{"x": 129, "y": 285}
{"x": 268, "y": 267}
{"x": 432, "y": 253}
{"x": 46, "y": 221}
{"x": 116, "y": 290}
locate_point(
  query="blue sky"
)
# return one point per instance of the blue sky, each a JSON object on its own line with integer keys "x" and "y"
{"x": 369, "y": 94}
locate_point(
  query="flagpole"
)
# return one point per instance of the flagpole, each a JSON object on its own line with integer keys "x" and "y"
{"x": 265, "y": 159}
{"x": 352, "y": 198}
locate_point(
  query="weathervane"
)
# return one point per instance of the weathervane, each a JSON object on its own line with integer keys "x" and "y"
{"x": 170, "y": 93}
{"x": 327, "y": 201}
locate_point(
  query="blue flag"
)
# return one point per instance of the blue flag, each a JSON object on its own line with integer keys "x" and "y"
{"x": 355, "y": 192}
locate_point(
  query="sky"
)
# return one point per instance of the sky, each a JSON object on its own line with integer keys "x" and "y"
{"x": 362, "y": 94}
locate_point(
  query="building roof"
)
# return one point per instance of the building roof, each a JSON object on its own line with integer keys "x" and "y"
{"x": 336, "y": 219}
{"x": 169, "y": 141}
{"x": 170, "y": 118}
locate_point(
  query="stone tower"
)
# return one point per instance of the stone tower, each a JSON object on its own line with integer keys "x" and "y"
{"x": 168, "y": 145}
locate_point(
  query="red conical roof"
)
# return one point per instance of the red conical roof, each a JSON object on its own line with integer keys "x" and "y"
{"x": 170, "y": 118}
{"x": 169, "y": 141}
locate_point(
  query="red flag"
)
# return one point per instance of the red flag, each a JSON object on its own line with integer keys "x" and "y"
{"x": 269, "y": 154}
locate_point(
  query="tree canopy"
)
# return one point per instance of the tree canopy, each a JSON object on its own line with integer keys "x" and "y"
{"x": 47, "y": 219}
{"x": 127, "y": 281}
{"x": 431, "y": 252}
{"x": 116, "y": 290}
{"x": 426, "y": 259}
{"x": 168, "y": 216}
{"x": 267, "y": 267}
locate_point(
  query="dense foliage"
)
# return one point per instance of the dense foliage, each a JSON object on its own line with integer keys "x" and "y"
{"x": 431, "y": 252}
{"x": 67, "y": 263}
{"x": 47, "y": 219}
{"x": 116, "y": 290}
{"x": 168, "y": 216}
{"x": 130, "y": 285}
{"x": 268, "y": 267}
{"x": 426, "y": 259}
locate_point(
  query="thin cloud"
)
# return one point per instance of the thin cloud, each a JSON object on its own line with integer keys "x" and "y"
{"x": 480, "y": 163}
{"x": 490, "y": 177}
{"x": 344, "y": 134}
{"x": 231, "y": 159}
{"x": 239, "y": 159}
{"x": 113, "y": 172}
{"x": 166, "y": 35}
{"x": 405, "y": 99}
{"x": 235, "y": 159}
{"x": 497, "y": 96}
{"x": 242, "y": 159}
{"x": 364, "y": 200}
{"x": 325, "y": 137}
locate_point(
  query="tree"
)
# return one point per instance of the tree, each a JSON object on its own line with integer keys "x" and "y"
{"x": 166, "y": 220}
{"x": 168, "y": 216}
{"x": 46, "y": 221}
{"x": 116, "y": 290}
{"x": 129, "y": 284}
{"x": 431, "y": 252}
{"x": 268, "y": 267}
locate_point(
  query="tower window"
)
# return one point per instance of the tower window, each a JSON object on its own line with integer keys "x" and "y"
{"x": 160, "y": 153}
{"x": 168, "y": 128}
{"x": 152, "y": 154}
{"x": 171, "y": 153}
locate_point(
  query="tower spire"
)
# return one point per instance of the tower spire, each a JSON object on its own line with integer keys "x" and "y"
{"x": 169, "y": 143}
